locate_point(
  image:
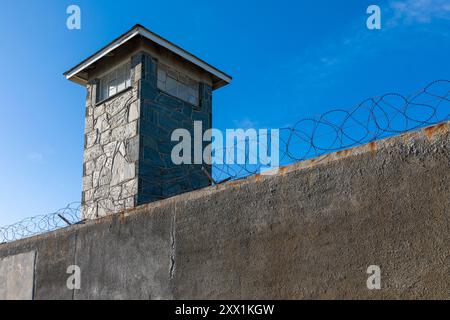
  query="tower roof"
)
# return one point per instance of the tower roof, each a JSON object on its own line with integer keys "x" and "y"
{"x": 78, "y": 73}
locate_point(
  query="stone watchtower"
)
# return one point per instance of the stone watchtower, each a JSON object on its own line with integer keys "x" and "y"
{"x": 140, "y": 88}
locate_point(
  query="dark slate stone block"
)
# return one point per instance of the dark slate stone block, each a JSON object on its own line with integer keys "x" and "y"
{"x": 168, "y": 123}
{"x": 178, "y": 116}
{"x": 187, "y": 110}
{"x": 166, "y": 147}
{"x": 162, "y": 109}
{"x": 203, "y": 117}
{"x": 148, "y": 128}
{"x": 149, "y": 170}
{"x": 167, "y": 100}
{"x": 153, "y": 156}
{"x": 171, "y": 190}
{"x": 150, "y": 68}
{"x": 148, "y": 113}
{"x": 148, "y": 90}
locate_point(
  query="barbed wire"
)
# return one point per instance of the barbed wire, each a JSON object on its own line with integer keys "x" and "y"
{"x": 69, "y": 215}
{"x": 372, "y": 119}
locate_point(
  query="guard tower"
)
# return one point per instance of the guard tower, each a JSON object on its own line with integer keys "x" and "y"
{"x": 140, "y": 88}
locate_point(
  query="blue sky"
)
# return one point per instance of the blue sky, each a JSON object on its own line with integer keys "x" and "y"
{"x": 289, "y": 60}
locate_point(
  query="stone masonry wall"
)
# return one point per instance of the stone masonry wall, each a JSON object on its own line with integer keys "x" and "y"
{"x": 127, "y": 158}
{"x": 111, "y": 153}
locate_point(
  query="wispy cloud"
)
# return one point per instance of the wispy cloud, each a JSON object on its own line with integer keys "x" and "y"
{"x": 245, "y": 123}
{"x": 35, "y": 157}
{"x": 318, "y": 64}
{"x": 418, "y": 11}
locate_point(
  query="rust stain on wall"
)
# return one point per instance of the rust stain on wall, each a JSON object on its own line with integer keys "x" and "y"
{"x": 437, "y": 129}
{"x": 373, "y": 146}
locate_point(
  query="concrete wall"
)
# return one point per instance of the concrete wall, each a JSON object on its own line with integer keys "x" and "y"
{"x": 17, "y": 276}
{"x": 309, "y": 232}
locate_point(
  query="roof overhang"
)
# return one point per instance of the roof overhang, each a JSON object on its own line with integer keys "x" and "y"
{"x": 76, "y": 73}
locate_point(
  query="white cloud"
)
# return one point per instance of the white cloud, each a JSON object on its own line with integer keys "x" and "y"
{"x": 419, "y": 11}
{"x": 245, "y": 124}
{"x": 317, "y": 65}
{"x": 35, "y": 157}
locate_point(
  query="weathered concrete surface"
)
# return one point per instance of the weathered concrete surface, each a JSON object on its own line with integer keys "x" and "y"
{"x": 126, "y": 258}
{"x": 309, "y": 232}
{"x": 55, "y": 251}
{"x": 16, "y": 277}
